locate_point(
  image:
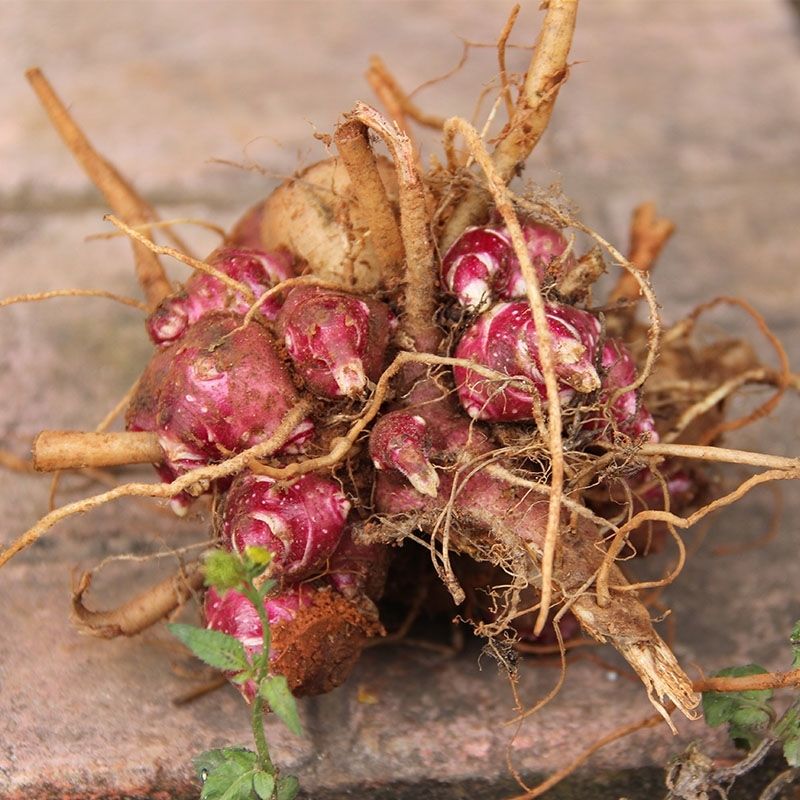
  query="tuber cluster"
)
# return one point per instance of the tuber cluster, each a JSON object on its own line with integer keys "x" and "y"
{"x": 376, "y": 354}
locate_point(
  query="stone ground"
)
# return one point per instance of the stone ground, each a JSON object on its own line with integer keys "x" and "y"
{"x": 695, "y": 104}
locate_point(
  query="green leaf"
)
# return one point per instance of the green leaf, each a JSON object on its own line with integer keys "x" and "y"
{"x": 745, "y": 712}
{"x": 288, "y": 788}
{"x": 795, "y": 642}
{"x": 787, "y": 729}
{"x": 228, "y": 782}
{"x": 208, "y": 761}
{"x": 224, "y": 570}
{"x": 258, "y": 556}
{"x": 227, "y": 774}
{"x": 217, "y": 649}
{"x": 264, "y": 784}
{"x": 275, "y": 690}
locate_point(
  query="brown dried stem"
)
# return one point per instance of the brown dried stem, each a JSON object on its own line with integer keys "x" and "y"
{"x": 421, "y": 290}
{"x": 546, "y": 73}
{"x": 54, "y": 450}
{"x": 141, "y": 611}
{"x": 352, "y": 141}
{"x": 649, "y": 234}
{"x": 504, "y": 206}
{"x": 396, "y": 101}
{"x": 119, "y": 194}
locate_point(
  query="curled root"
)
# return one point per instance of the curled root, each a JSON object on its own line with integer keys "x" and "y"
{"x": 140, "y": 612}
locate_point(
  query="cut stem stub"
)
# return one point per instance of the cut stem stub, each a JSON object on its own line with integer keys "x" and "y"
{"x": 54, "y": 450}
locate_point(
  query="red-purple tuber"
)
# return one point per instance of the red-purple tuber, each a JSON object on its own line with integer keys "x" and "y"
{"x": 433, "y": 364}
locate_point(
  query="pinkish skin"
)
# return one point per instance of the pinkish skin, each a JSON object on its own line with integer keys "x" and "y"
{"x": 481, "y": 265}
{"x": 401, "y": 441}
{"x": 630, "y": 417}
{"x": 301, "y": 524}
{"x": 202, "y": 293}
{"x": 220, "y": 390}
{"x": 337, "y": 342}
{"x": 234, "y": 614}
{"x": 505, "y": 340}
{"x": 358, "y": 569}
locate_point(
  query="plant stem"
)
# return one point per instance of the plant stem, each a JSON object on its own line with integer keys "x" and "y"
{"x": 257, "y": 717}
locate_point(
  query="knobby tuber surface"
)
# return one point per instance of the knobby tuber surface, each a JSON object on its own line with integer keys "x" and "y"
{"x": 378, "y": 355}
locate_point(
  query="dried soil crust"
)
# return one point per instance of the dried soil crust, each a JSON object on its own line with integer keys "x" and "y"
{"x": 318, "y": 650}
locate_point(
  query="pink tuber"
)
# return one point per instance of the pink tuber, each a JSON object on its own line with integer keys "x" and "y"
{"x": 219, "y": 390}
{"x": 504, "y": 339}
{"x": 300, "y": 524}
{"x": 203, "y": 293}
{"x": 481, "y": 266}
{"x": 401, "y": 441}
{"x": 336, "y": 341}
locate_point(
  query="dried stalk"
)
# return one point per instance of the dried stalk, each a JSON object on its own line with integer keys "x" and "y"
{"x": 546, "y": 74}
{"x": 352, "y": 141}
{"x": 421, "y": 290}
{"x": 139, "y": 612}
{"x": 54, "y": 450}
{"x": 119, "y": 194}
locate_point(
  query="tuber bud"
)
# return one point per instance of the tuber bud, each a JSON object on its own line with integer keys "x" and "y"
{"x": 336, "y": 341}
{"x": 481, "y": 265}
{"x": 401, "y": 441}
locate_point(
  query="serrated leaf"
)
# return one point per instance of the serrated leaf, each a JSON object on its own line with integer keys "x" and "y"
{"x": 288, "y": 788}
{"x": 223, "y": 570}
{"x": 745, "y": 712}
{"x": 217, "y": 649}
{"x": 787, "y": 729}
{"x": 795, "y": 642}
{"x": 264, "y": 785}
{"x": 208, "y": 761}
{"x": 275, "y": 690}
{"x": 232, "y": 779}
